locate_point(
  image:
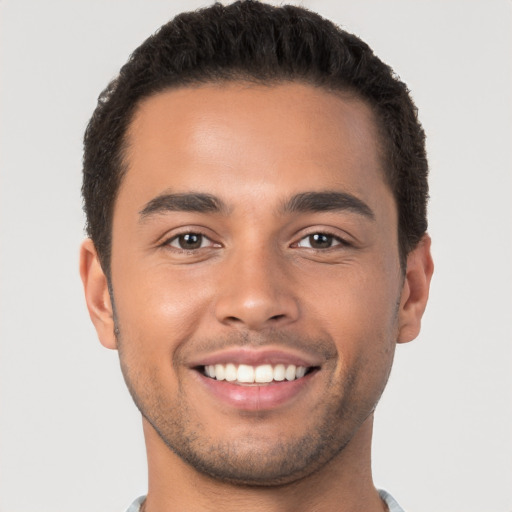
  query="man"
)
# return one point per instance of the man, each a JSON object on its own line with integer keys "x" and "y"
{"x": 255, "y": 190}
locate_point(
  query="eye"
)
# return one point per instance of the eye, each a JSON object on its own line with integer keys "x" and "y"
{"x": 190, "y": 241}
{"x": 320, "y": 241}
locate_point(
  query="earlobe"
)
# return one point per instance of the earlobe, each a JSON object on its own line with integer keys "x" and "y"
{"x": 97, "y": 294}
{"x": 420, "y": 268}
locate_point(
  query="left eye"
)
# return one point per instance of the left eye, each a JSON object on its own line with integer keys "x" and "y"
{"x": 190, "y": 241}
{"x": 319, "y": 241}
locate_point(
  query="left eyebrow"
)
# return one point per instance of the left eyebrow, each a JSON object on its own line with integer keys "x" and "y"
{"x": 327, "y": 201}
{"x": 189, "y": 202}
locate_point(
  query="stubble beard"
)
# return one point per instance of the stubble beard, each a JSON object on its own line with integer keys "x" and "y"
{"x": 252, "y": 460}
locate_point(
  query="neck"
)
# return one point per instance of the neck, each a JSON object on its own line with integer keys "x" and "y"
{"x": 342, "y": 485}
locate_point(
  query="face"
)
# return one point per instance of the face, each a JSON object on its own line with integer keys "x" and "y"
{"x": 255, "y": 276}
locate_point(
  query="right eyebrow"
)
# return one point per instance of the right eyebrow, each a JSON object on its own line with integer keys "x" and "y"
{"x": 189, "y": 202}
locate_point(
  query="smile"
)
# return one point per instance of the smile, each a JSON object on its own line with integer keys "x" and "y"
{"x": 260, "y": 379}
{"x": 261, "y": 374}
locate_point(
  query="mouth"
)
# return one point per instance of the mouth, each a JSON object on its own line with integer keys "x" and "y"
{"x": 263, "y": 374}
{"x": 257, "y": 380}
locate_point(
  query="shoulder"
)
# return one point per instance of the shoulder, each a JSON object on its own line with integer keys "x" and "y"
{"x": 392, "y": 504}
{"x": 135, "y": 506}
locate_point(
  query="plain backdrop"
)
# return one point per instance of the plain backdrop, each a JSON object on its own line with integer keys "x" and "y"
{"x": 71, "y": 440}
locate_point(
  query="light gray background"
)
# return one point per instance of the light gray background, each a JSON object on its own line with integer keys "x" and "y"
{"x": 71, "y": 439}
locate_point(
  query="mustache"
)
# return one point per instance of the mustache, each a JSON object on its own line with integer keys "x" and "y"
{"x": 317, "y": 346}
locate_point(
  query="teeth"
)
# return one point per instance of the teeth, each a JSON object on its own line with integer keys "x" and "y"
{"x": 279, "y": 372}
{"x": 264, "y": 373}
{"x": 247, "y": 374}
{"x": 290, "y": 372}
{"x": 230, "y": 372}
{"x": 220, "y": 372}
{"x": 300, "y": 372}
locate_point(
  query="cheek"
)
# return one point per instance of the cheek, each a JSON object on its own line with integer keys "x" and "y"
{"x": 159, "y": 310}
{"x": 353, "y": 295}
{"x": 358, "y": 310}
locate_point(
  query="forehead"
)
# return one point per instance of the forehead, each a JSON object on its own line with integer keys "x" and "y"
{"x": 240, "y": 138}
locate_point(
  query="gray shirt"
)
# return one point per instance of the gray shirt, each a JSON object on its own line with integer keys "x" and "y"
{"x": 393, "y": 506}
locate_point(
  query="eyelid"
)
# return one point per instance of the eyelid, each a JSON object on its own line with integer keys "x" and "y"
{"x": 336, "y": 242}
{"x": 343, "y": 241}
{"x": 176, "y": 238}
{"x": 189, "y": 230}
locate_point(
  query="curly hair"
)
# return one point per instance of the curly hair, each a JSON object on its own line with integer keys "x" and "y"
{"x": 253, "y": 41}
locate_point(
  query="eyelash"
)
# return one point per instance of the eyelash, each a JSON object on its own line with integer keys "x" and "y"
{"x": 176, "y": 238}
{"x": 333, "y": 239}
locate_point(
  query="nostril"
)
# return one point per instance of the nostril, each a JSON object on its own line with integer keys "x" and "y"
{"x": 277, "y": 317}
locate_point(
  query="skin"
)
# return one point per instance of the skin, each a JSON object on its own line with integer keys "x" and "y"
{"x": 256, "y": 280}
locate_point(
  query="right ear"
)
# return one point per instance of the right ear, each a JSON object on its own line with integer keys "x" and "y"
{"x": 97, "y": 295}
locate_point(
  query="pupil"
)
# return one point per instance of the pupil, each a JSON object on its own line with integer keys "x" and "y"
{"x": 190, "y": 241}
{"x": 320, "y": 241}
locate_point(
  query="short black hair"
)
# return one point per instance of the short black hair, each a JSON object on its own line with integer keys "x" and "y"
{"x": 253, "y": 41}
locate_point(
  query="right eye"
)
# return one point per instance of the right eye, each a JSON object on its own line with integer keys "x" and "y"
{"x": 190, "y": 241}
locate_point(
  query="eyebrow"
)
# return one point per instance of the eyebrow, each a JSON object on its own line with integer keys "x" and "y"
{"x": 303, "y": 202}
{"x": 188, "y": 202}
{"x": 327, "y": 201}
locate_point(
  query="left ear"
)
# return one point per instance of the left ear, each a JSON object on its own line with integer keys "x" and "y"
{"x": 415, "y": 290}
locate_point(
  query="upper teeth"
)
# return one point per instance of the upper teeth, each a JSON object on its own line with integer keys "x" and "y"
{"x": 251, "y": 374}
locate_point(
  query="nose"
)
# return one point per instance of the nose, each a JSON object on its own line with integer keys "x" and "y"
{"x": 256, "y": 291}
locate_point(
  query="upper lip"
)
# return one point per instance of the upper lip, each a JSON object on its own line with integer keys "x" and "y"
{"x": 256, "y": 357}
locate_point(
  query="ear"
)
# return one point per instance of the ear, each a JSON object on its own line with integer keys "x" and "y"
{"x": 96, "y": 294}
{"x": 420, "y": 268}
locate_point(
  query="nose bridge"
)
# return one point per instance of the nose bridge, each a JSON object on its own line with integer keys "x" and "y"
{"x": 255, "y": 291}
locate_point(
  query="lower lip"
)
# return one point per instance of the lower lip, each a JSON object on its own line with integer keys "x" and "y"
{"x": 256, "y": 397}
